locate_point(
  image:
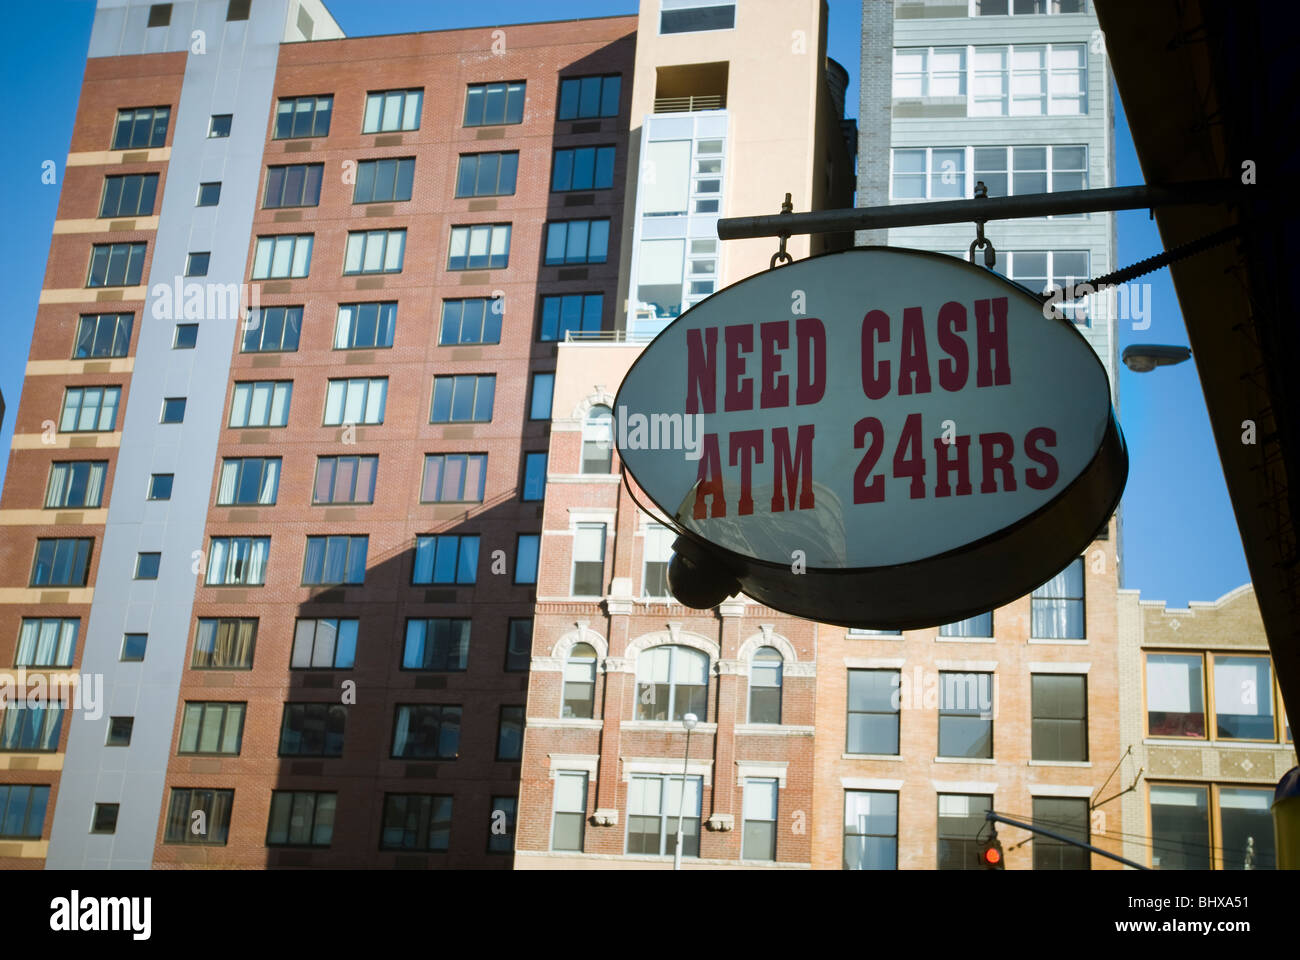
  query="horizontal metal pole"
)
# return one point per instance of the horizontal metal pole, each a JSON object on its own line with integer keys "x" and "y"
{"x": 967, "y": 211}
{"x": 998, "y": 818}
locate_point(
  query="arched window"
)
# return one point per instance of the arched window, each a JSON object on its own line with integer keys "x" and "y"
{"x": 765, "y": 686}
{"x": 671, "y": 682}
{"x": 598, "y": 440}
{"x": 580, "y": 682}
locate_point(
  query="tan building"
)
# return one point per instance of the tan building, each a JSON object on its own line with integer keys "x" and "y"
{"x": 919, "y": 733}
{"x": 1204, "y": 718}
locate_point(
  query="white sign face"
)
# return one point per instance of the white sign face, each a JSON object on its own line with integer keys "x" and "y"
{"x": 870, "y": 408}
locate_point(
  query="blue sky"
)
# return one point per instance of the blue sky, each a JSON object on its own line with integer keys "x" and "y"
{"x": 1180, "y": 538}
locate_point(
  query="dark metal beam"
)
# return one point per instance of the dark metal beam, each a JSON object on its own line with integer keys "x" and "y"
{"x": 968, "y": 211}
{"x": 992, "y": 817}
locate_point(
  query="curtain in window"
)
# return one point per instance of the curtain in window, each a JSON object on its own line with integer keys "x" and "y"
{"x": 1170, "y": 688}
{"x": 234, "y": 645}
{"x": 270, "y": 478}
{"x": 343, "y": 331}
{"x": 217, "y": 561}
{"x": 402, "y": 731}
{"x": 304, "y": 636}
{"x": 256, "y": 568}
{"x": 58, "y": 484}
{"x": 94, "y": 484}
{"x": 977, "y": 626}
{"x": 226, "y": 487}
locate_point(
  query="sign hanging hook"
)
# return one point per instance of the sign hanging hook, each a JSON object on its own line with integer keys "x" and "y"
{"x": 990, "y": 255}
{"x": 781, "y": 255}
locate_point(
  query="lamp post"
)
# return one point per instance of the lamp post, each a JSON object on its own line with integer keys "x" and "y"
{"x": 689, "y": 721}
{"x": 1144, "y": 357}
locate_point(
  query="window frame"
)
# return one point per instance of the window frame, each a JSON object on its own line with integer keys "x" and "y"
{"x": 484, "y": 90}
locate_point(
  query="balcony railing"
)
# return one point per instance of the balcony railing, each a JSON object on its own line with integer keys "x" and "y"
{"x": 708, "y": 101}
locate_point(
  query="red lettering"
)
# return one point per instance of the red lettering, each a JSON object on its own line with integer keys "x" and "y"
{"x": 1044, "y": 436}
{"x": 953, "y": 373}
{"x": 999, "y": 461}
{"x": 875, "y": 376}
{"x": 748, "y": 446}
{"x": 994, "y": 370}
{"x": 709, "y": 479}
{"x": 946, "y": 465}
{"x": 739, "y": 394}
{"x": 775, "y": 390}
{"x": 868, "y": 490}
{"x": 796, "y": 471}
{"x": 914, "y": 364}
{"x": 909, "y": 456}
{"x": 702, "y": 370}
{"x": 812, "y": 360}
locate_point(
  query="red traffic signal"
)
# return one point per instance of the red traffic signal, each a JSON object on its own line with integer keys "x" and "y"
{"x": 991, "y": 855}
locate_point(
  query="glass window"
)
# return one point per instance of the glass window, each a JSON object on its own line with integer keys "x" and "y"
{"x": 116, "y": 265}
{"x": 225, "y": 644}
{"x": 577, "y": 241}
{"x": 1057, "y": 608}
{"x": 1246, "y": 820}
{"x": 577, "y": 313}
{"x": 280, "y": 257}
{"x": 427, "y": 731}
{"x": 238, "y": 561}
{"x": 966, "y": 715}
{"x": 374, "y": 251}
{"x": 1180, "y": 827}
{"x": 103, "y": 335}
{"x": 873, "y": 704}
{"x": 219, "y": 125}
{"x": 324, "y": 644}
{"x": 487, "y": 174}
{"x": 335, "y": 560}
{"x": 527, "y": 548}
{"x": 313, "y": 730}
{"x": 759, "y": 810}
{"x": 672, "y": 681}
{"x": 658, "y": 554}
{"x": 482, "y": 247}
{"x": 568, "y": 828}
{"x": 160, "y": 486}
{"x": 30, "y": 728}
{"x": 147, "y": 565}
{"x": 689, "y": 16}
{"x": 61, "y": 563}
{"x": 76, "y": 486}
{"x": 589, "y": 560}
{"x": 388, "y": 180}
{"x": 519, "y": 644}
{"x": 471, "y": 321}
{"x": 47, "y": 642}
{"x": 104, "y": 819}
{"x": 582, "y": 97}
{"x": 490, "y": 104}
{"x": 598, "y": 440}
{"x": 454, "y": 478}
{"x": 463, "y": 399}
{"x": 22, "y": 810}
{"x": 360, "y": 400}
{"x": 131, "y": 195}
{"x": 133, "y": 647}
{"x": 296, "y": 185}
{"x": 390, "y": 110}
{"x": 262, "y": 403}
{"x": 301, "y": 818}
{"x": 501, "y": 830}
{"x": 273, "y": 330}
{"x": 303, "y": 117}
{"x": 209, "y": 195}
{"x": 141, "y": 128}
{"x": 196, "y": 264}
{"x": 248, "y": 481}
{"x": 365, "y": 325}
{"x": 438, "y": 644}
{"x": 539, "y": 396}
{"x": 1067, "y": 816}
{"x": 345, "y": 479}
{"x": 211, "y": 829}
{"x": 414, "y": 821}
{"x": 213, "y": 728}
{"x": 1175, "y": 695}
{"x": 1243, "y": 698}
{"x": 446, "y": 558}
{"x": 765, "y": 686}
{"x": 534, "y": 486}
{"x": 89, "y": 409}
{"x": 583, "y": 168}
{"x": 961, "y": 821}
{"x": 653, "y": 805}
{"x": 186, "y": 336}
{"x": 580, "y": 682}
{"x": 870, "y": 830}
{"x": 1060, "y": 716}
{"x": 510, "y": 733}
{"x": 980, "y": 625}
{"x": 173, "y": 410}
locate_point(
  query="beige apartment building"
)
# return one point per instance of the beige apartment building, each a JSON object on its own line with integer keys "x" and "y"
{"x": 1202, "y": 715}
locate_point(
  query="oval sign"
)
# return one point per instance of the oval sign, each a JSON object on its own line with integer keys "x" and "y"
{"x": 879, "y": 436}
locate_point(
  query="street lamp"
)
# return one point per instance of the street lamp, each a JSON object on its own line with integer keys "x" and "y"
{"x": 689, "y": 721}
{"x": 1143, "y": 357}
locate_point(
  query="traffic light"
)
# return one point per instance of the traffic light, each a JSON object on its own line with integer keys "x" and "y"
{"x": 991, "y": 854}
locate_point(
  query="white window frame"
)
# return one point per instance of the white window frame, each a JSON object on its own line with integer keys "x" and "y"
{"x": 1047, "y": 73}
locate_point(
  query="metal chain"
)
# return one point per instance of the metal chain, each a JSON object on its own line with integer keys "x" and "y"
{"x": 1151, "y": 264}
